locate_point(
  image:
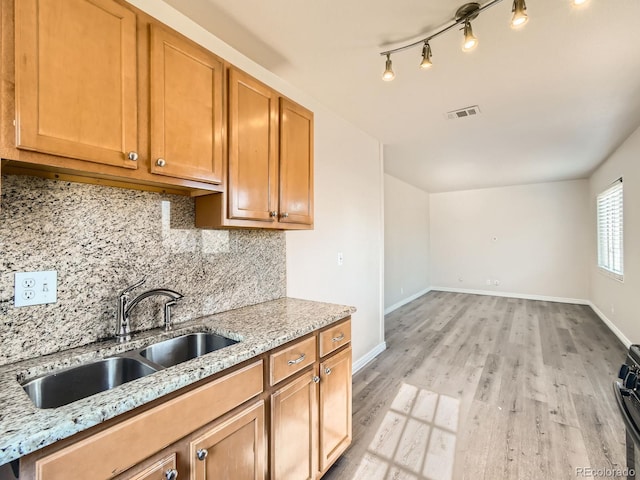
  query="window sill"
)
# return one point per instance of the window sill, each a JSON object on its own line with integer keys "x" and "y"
{"x": 614, "y": 276}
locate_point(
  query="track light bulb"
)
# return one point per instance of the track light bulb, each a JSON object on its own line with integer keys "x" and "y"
{"x": 426, "y": 56}
{"x": 388, "y": 74}
{"x": 470, "y": 42}
{"x": 519, "y": 14}
{"x": 578, "y": 3}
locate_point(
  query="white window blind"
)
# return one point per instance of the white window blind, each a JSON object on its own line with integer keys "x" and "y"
{"x": 610, "y": 230}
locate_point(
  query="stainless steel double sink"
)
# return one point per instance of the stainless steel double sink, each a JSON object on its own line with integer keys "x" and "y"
{"x": 70, "y": 384}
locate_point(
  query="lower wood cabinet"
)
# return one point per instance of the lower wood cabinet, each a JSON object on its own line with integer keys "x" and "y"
{"x": 311, "y": 414}
{"x": 294, "y": 429}
{"x": 233, "y": 449}
{"x": 335, "y": 407}
{"x": 285, "y": 416}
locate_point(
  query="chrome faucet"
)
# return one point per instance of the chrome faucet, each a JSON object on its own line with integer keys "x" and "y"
{"x": 123, "y": 327}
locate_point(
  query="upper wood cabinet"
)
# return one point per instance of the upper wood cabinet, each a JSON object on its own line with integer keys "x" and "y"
{"x": 270, "y": 162}
{"x": 186, "y": 108}
{"x": 100, "y": 92}
{"x": 76, "y": 79}
{"x": 106, "y": 94}
{"x": 253, "y": 163}
{"x": 296, "y": 164}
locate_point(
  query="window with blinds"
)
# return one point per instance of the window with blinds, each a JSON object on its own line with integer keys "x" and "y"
{"x": 610, "y": 230}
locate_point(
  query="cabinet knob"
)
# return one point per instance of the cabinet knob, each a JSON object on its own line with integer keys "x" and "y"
{"x": 284, "y": 215}
{"x": 202, "y": 454}
{"x": 171, "y": 474}
{"x": 316, "y": 379}
{"x": 273, "y": 214}
{"x": 161, "y": 162}
{"x": 328, "y": 371}
{"x": 133, "y": 156}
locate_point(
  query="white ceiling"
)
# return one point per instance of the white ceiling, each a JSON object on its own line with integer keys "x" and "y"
{"x": 557, "y": 96}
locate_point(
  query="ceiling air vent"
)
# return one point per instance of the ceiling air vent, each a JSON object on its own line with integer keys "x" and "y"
{"x": 463, "y": 112}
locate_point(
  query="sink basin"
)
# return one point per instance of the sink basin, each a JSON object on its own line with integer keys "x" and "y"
{"x": 180, "y": 349}
{"x": 66, "y": 386}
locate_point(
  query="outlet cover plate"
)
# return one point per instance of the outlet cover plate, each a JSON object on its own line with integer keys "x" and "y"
{"x": 35, "y": 288}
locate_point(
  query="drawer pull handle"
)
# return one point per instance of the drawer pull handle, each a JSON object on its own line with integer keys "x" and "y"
{"x": 339, "y": 338}
{"x": 316, "y": 379}
{"x": 202, "y": 454}
{"x": 328, "y": 371}
{"x": 297, "y": 360}
{"x": 171, "y": 474}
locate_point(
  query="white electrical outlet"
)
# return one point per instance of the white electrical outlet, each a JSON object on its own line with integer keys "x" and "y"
{"x": 496, "y": 283}
{"x": 340, "y": 258}
{"x": 488, "y": 281}
{"x": 35, "y": 288}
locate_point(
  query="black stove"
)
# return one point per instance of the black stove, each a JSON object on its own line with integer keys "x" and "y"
{"x": 627, "y": 391}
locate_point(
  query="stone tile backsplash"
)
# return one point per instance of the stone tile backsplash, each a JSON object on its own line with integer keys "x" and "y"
{"x": 103, "y": 239}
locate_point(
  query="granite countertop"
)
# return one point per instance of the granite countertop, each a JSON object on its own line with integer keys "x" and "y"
{"x": 259, "y": 328}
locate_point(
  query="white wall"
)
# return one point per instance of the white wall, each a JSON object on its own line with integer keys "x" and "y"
{"x": 533, "y": 239}
{"x": 348, "y": 219}
{"x": 348, "y": 201}
{"x": 619, "y": 301}
{"x": 406, "y": 242}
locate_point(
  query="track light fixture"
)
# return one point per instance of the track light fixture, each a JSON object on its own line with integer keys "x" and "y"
{"x": 578, "y": 3}
{"x": 426, "y": 56}
{"x": 388, "y": 74}
{"x": 519, "y": 14}
{"x": 464, "y": 16}
{"x": 470, "y": 41}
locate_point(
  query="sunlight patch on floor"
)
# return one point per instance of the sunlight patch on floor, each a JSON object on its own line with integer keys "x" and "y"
{"x": 416, "y": 439}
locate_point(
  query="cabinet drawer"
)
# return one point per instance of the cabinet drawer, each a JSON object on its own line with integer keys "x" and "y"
{"x": 335, "y": 337}
{"x": 292, "y": 359}
{"x": 114, "y": 450}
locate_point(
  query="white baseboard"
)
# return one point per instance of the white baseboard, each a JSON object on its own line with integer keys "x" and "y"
{"x": 616, "y": 331}
{"x": 396, "y": 306}
{"x": 368, "y": 357}
{"x": 525, "y": 296}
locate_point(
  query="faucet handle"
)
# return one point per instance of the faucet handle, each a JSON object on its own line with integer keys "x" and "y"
{"x": 168, "y": 324}
{"x": 134, "y": 286}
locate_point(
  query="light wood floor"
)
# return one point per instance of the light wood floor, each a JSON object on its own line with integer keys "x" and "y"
{"x": 479, "y": 387}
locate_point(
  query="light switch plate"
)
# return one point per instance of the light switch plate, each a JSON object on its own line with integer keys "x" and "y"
{"x": 35, "y": 288}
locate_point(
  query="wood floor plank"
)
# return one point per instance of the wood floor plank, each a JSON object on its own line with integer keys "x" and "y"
{"x": 524, "y": 387}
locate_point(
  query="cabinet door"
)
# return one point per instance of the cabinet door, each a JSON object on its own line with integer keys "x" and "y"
{"x": 335, "y": 407}
{"x": 186, "y": 109}
{"x": 253, "y": 168}
{"x": 296, "y": 163}
{"x": 233, "y": 449}
{"x": 163, "y": 469}
{"x": 76, "y": 79}
{"x": 294, "y": 430}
